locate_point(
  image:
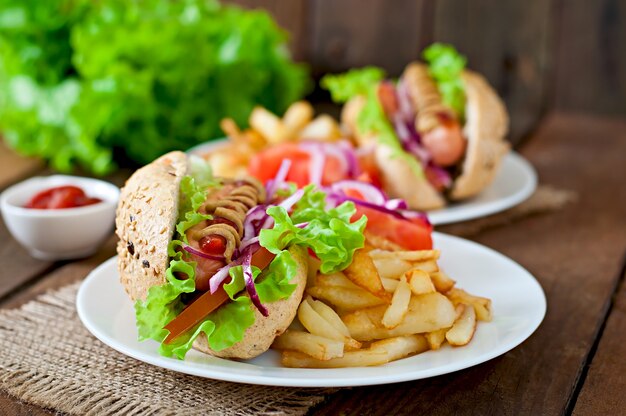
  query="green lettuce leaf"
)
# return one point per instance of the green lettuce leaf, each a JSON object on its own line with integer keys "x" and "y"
{"x": 328, "y": 233}
{"x": 445, "y": 65}
{"x": 343, "y": 87}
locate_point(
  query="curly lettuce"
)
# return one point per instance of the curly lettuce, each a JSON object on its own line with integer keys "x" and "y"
{"x": 445, "y": 65}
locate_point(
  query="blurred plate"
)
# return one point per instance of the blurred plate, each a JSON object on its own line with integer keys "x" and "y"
{"x": 519, "y": 306}
{"x": 514, "y": 183}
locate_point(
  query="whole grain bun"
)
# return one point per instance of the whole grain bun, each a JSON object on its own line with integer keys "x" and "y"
{"x": 145, "y": 221}
{"x": 261, "y": 334}
{"x": 145, "y": 224}
{"x": 486, "y": 125}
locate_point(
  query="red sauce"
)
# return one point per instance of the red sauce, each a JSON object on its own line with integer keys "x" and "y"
{"x": 60, "y": 197}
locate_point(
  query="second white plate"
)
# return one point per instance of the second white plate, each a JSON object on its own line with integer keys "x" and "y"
{"x": 519, "y": 306}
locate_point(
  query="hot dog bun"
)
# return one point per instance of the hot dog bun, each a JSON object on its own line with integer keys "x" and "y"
{"x": 486, "y": 125}
{"x": 145, "y": 224}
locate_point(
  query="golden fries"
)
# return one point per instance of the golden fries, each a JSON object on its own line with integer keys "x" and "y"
{"x": 399, "y": 305}
{"x": 297, "y": 117}
{"x": 463, "y": 329}
{"x": 317, "y": 325}
{"x": 268, "y": 125}
{"x": 419, "y": 282}
{"x": 363, "y": 273}
{"x": 322, "y": 128}
{"x": 316, "y": 346}
{"x": 387, "y": 305}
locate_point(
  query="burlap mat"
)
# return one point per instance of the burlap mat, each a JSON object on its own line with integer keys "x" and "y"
{"x": 48, "y": 358}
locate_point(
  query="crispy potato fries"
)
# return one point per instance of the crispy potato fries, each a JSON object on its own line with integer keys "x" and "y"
{"x": 298, "y": 123}
{"x": 389, "y": 304}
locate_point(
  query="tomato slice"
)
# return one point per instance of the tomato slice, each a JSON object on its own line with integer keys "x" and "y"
{"x": 200, "y": 308}
{"x": 414, "y": 234}
{"x": 265, "y": 164}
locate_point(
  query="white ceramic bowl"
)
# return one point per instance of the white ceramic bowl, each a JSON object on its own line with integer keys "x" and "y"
{"x": 58, "y": 234}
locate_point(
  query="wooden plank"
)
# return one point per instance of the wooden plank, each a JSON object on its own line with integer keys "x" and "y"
{"x": 18, "y": 267}
{"x": 15, "y": 167}
{"x": 575, "y": 254}
{"x": 590, "y": 59}
{"x": 510, "y": 44}
{"x": 603, "y": 391}
{"x": 354, "y": 33}
{"x": 290, "y": 15}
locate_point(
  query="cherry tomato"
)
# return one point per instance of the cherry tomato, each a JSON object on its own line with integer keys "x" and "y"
{"x": 412, "y": 234}
{"x": 61, "y": 197}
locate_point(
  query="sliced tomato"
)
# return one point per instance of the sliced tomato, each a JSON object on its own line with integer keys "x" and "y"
{"x": 412, "y": 234}
{"x": 370, "y": 172}
{"x": 265, "y": 164}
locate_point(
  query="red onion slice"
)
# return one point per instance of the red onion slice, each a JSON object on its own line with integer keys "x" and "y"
{"x": 274, "y": 184}
{"x": 248, "y": 278}
{"x": 370, "y": 192}
{"x": 395, "y": 204}
{"x": 200, "y": 253}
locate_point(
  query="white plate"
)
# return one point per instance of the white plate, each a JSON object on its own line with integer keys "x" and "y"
{"x": 518, "y": 302}
{"x": 514, "y": 183}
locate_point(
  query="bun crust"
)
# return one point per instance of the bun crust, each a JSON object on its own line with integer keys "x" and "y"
{"x": 486, "y": 125}
{"x": 400, "y": 181}
{"x": 145, "y": 221}
{"x": 259, "y": 337}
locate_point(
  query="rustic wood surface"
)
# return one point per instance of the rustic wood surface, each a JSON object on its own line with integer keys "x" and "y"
{"x": 574, "y": 362}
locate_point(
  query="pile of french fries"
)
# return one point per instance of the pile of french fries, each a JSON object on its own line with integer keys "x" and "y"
{"x": 387, "y": 305}
{"x": 266, "y": 128}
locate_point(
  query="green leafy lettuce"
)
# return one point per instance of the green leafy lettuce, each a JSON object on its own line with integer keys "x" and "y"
{"x": 372, "y": 118}
{"x": 82, "y": 78}
{"x": 328, "y": 233}
{"x": 445, "y": 65}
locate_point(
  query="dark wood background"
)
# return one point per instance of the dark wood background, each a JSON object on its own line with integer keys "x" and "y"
{"x": 541, "y": 55}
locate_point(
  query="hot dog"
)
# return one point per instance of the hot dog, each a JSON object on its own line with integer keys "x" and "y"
{"x": 201, "y": 258}
{"x": 439, "y": 130}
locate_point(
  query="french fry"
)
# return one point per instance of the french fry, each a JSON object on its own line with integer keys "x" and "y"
{"x": 268, "y": 125}
{"x": 400, "y": 347}
{"x": 329, "y": 315}
{"x": 335, "y": 279}
{"x": 416, "y": 255}
{"x": 380, "y": 352}
{"x": 391, "y": 268}
{"x": 379, "y": 242}
{"x": 345, "y": 298}
{"x": 427, "y": 313}
{"x": 360, "y": 358}
{"x": 323, "y": 128}
{"x": 419, "y": 282}
{"x": 429, "y": 266}
{"x": 464, "y": 327}
{"x": 399, "y": 305}
{"x": 297, "y": 116}
{"x": 231, "y": 130}
{"x": 436, "y": 338}
{"x": 442, "y": 282}
{"x": 482, "y": 306}
{"x": 317, "y": 325}
{"x": 316, "y": 346}
{"x": 390, "y": 285}
{"x": 362, "y": 272}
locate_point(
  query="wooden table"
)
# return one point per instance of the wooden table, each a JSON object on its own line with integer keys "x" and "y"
{"x": 574, "y": 363}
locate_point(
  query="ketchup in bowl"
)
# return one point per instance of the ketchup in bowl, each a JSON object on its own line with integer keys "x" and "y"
{"x": 60, "y": 197}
